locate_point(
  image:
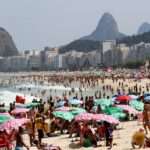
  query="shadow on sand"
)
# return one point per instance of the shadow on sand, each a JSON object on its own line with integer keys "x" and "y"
{"x": 74, "y": 146}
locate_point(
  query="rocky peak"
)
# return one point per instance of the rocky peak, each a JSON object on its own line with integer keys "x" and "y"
{"x": 145, "y": 27}
{"x": 7, "y": 46}
{"x": 107, "y": 29}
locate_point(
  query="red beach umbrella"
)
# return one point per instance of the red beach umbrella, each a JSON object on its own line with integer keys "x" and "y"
{"x": 123, "y": 98}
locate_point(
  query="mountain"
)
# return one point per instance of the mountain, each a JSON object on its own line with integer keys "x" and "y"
{"x": 135, "y": 39}
{"x": 145, "y": 27}
{"x": 80, "y": 46}
{"x": 7, "y": 46}
{"x": 107, "y": 29}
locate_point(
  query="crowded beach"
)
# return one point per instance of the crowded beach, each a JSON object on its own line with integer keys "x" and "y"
{"x": 75, "y": 110}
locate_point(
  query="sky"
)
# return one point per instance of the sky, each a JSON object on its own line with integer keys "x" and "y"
{"x": 34, "y": 24}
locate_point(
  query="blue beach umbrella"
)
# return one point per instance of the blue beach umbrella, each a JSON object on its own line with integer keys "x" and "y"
{"x": 147, "y": 99}
{"x": 146, "y": 95}
{"x": 75, "y": 102}
{"x": 60, "y": 104}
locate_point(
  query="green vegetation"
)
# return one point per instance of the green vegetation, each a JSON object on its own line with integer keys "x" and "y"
{"x": 81, "y": 46}
{"x": 135, "y": 39}
{"x": 133, "y": 64}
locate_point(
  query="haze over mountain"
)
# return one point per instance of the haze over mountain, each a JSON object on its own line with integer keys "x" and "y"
{"x": 145, "y": 27}
{"x": 107, "y": 29}
{"x": 7, "y": 46}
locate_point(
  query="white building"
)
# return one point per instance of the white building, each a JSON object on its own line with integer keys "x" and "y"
{"x": 108, "y": 45}
{"x": 50, "y": 57}
{"x": 34, "y": 62}
{"x": 14, "y": 63}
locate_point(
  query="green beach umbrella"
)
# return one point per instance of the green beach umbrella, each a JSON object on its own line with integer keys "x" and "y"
{"x": 4, "y": 118}
{"x": 137, "y": 105}
{"x": 32, "y": 104}
{"x": 63, "y": 115}
{"x": 119, "y": 116}
{"x": 103, "y": 103}
{"x": 77, "y": 111}
{"x": 115, "y": 112}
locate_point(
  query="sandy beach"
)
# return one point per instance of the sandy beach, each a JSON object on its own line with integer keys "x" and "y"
{"x": 122, "y": 139}
{"x": 33, "y": 86}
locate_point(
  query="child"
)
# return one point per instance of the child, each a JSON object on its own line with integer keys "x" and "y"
{"x": 138, "y": 139}
{"x": 108, "y": 134}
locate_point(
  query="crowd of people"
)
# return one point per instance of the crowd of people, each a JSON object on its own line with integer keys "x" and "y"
{"x": 44, "y": 124}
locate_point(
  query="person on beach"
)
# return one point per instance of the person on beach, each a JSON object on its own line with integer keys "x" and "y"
{"x": 20, "y": 144}
{"x": 138, "y": 139}
{"x": 146, "y": 117}
{"x": 108, "y": 134}
{"x": 39, "y": 124}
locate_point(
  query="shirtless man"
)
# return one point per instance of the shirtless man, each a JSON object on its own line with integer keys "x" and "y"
{"x": 146, "y": 117}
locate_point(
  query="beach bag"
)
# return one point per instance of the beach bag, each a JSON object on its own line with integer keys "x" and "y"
{"x": 87, "y": 142}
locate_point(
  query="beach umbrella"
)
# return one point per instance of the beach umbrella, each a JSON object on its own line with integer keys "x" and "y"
{"x": 84, "y": 117}
{"x": 115, "y": 112}
{"x": 103, "y": 102}
{"x": 32, "y": 104}
{"x": 62, "y": 108}
{"x": 18, "y": 105}
{"x": 77, "y": 111}
{"x": 4, "y": 118}
{"x": 104, "y": 117}
{"x": 60, "y": 103}
{"x": 147, "y": 99}
{"x": 146, "y": 95}
{"x": 20, "y": 110}
{"x": 134, "y": 97}
{"x": 119, "y": 115}
{"x": 13, "y": 124}
{"x": 138, "y": 105}
{"x": 63, "y": 115}
{"x": 128, "y": 108}
{"x": 5, "y": 113}
{"x": 75, "y": 102}
{"x": 123, "y": 98}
